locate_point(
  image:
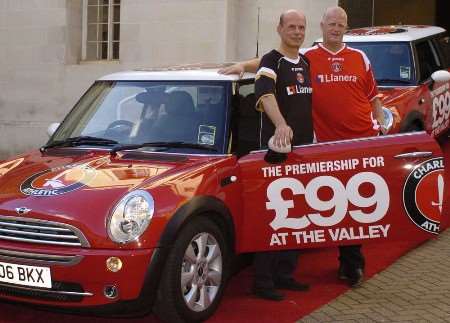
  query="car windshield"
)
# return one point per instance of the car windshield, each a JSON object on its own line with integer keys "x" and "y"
{"x": 391, "y": 62}
{"x": 190, "y": 114}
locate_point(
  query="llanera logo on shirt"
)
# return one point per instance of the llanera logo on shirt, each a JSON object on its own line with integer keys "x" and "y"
{"x": 330, "y": 78}
{"x": 296, "y": 89}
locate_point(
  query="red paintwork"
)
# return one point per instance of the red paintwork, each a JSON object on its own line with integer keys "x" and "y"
{"x": 258, "y": 218}
{"x": 405, "y": 100}
{"x": 411, "y": 99}
{"x": 173, "y": 184}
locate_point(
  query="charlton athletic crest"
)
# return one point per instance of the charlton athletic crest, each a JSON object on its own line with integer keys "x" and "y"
{"x": 59, "y": 180}
{"x": 300, "y": 78}
{"x": 336, "y": 67}
{"x": 423, "y": 194}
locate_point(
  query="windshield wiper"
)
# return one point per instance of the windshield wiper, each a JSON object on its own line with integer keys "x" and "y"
{"x": 170, "y": 144}
{"x": 393, "y": 81}
{"x": 78, "y": 141}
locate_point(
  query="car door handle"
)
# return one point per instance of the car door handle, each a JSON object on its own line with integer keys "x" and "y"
{"x": 416, "y": 154}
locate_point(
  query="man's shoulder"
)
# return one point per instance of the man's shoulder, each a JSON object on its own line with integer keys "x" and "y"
{"x": 355, "y": 51}
{"x": 360, "y": 53}
{"x": 307, "y": 51}
{"x": 272, "y": 55}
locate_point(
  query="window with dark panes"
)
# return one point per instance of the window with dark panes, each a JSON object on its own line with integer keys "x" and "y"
{"x": 102, "y": 30}
{"x": 428, "y": 59}
{"x": 444, "y": 46}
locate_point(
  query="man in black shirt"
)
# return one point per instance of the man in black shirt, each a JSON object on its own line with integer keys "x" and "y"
{"x": 283, "y": 93}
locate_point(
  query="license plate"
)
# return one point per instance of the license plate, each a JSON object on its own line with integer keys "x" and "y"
{"x": 25, "y": 275}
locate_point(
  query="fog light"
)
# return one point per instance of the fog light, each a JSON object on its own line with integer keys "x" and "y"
{"x": 114, "y": 264}
{"x": 111, "y": 292}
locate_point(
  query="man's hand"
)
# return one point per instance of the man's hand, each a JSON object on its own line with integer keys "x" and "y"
{"x": 396, "y": 116}
{"x": 283, "y": 135}
{"x": 237, "y": 68}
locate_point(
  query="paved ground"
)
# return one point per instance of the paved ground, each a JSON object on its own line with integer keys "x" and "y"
{"x": 416, "y": 288}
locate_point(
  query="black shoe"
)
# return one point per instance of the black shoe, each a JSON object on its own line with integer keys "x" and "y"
{"x": 356, "y": 277}
{"x": 342, "y": 273}
{"x": 292, "y": 284}
{"x": 270, "y": 294}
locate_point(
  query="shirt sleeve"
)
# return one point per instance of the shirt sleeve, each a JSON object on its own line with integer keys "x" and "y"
{"x": 265, "y": 79}
{"x": 371, "y": 83}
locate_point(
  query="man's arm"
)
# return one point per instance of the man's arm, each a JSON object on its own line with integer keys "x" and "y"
{"x": 283, "y": 133}
{"x": 241, "y": 67}
{"x": 377, "y": 110}
{"x": 379, "y": 115}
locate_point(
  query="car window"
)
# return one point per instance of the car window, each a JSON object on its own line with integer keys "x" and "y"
{"x": 428, "y": 60}
{"x": 140, "y": 112}
{"x": 443, "y": 44}
{"x": 391, "y": 61}
{"x": 246, "y": 121}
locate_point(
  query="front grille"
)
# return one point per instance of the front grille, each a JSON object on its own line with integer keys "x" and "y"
{"x": 40, "y": 231}
{"x": 39, "y": 258}
{"x": 60, "y": 292}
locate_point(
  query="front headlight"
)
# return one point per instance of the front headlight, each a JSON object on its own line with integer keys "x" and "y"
{"x": 131, "y": 216}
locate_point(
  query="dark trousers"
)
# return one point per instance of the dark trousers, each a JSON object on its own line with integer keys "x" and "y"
{"x": 351, "y": 257}
{"x": 273, "y": 266}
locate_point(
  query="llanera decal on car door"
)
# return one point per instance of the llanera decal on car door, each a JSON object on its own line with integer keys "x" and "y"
{"x": 367, "y": 209}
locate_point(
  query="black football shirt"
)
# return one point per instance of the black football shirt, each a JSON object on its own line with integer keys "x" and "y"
{"x": 289, "y": 81}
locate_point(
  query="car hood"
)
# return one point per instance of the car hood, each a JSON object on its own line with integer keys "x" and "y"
{"x": 390, "y": 96}
{"x": 81, "y": 189}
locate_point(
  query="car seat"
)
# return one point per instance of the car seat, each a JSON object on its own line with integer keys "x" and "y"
{"x": 178, "y": 123}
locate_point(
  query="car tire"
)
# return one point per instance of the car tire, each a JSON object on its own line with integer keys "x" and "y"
{"x": 194, "y": 275}
{"x": 413, "y": 127}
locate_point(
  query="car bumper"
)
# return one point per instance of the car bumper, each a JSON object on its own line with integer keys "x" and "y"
{"x": 79, "y": 276}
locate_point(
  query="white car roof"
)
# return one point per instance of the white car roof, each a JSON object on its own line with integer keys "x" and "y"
{"x": 390, "y": 33}
{"x": 193, "y": 72}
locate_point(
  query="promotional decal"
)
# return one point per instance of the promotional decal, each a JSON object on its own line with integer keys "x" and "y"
{"x": 440, "y": 110}
{"x": 423, "y": 194}
{"x": 60, "y": 180}
{"x": 364, "y": 198}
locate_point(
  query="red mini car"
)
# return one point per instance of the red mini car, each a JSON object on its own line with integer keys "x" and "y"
{"x": 403, "y": 59}
{"x": 148, "y": 189}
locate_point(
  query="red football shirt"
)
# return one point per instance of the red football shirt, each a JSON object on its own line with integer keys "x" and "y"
{"x": 343, "y": 88}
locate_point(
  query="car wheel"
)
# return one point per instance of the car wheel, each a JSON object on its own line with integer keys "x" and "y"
{"x": 195, "y": 274}
{"x": 413, "y": 126}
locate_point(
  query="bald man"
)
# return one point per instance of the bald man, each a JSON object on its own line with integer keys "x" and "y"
{"x": 283, "y": 93}
{"x": 345, "y": 104}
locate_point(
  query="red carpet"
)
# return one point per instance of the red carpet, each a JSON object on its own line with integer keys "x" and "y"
{"x": 317, "y": 267}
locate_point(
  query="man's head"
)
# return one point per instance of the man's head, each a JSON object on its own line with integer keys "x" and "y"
{"x": 291, "y": 28}
{"x": 333, "y": 25}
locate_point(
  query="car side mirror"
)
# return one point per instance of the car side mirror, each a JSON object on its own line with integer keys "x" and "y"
{"x": 439, "y": 76}
{"x": 52, "y": 128}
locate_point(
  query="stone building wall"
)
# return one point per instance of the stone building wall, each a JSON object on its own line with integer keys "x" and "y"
{"x": 42, "y": 74}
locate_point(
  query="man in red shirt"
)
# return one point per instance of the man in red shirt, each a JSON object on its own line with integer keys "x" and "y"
{"x": 345, "y": 104}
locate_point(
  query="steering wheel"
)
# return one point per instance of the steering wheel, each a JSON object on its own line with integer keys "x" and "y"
{"x": 119, "y": 130}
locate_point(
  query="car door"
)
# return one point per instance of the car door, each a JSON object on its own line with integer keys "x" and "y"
{"x": 346, "y": 192}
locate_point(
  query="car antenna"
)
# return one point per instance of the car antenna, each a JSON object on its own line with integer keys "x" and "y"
{"x": 257, "y": 33}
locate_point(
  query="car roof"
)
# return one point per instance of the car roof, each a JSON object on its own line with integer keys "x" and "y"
{"x": 390, "y": 33}
{"x": 192, "y": 72}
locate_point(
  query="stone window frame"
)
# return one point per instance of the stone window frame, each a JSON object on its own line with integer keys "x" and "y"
{"x": 106, "y": 47}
